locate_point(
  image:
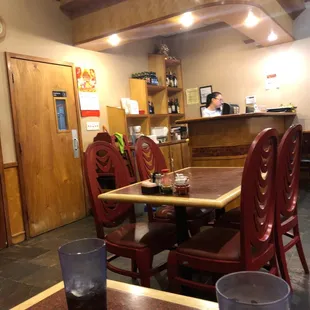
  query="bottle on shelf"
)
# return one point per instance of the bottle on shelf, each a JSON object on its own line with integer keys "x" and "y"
{"x": 170, "y": 79}
{"x": 151, "y": 107}
{"x": 167, "y": 79}
{"x": 177, "y": 105}
{"x": 173, "y": 107}
{"x": 175, "y": 80}
{"x": 169, "y": 107}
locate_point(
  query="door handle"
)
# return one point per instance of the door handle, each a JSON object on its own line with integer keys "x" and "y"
{"x": 75, "y": 144}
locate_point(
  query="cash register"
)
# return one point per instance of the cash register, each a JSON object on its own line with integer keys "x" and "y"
{"x": 229, "y": 108}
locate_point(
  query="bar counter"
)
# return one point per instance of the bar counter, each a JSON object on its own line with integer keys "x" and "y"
{"x": 224, "y": 141}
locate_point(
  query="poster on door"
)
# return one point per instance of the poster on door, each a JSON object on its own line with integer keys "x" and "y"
{"x": 89, "y": 101}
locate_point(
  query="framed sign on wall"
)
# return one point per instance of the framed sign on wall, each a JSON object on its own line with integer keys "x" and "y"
{"x": 204, "y": 91}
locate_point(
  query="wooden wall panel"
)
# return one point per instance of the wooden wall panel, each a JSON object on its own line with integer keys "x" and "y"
{"x": 14, "y": 204}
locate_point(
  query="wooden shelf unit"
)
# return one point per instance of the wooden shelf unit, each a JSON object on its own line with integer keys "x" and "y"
{"x": 159, "y": 95}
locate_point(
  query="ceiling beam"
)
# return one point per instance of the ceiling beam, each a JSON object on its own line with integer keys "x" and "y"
{"x": 77, "y": 8}
{"x": 131, "y": 14}
{"x": 293, "y": 7}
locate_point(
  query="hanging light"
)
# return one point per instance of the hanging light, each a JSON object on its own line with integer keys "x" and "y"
{"x": 114, "y": 39}
{"x": 272, "y": 36}
{"x": 187, "y": 19}
{"x": 251, "y": 20}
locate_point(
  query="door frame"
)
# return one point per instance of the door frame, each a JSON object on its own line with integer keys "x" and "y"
{"x": 9, "y": 57}
{"x": 4, "y": 202}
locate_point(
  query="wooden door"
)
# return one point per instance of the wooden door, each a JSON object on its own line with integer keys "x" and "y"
{"x": 47, "y": 131}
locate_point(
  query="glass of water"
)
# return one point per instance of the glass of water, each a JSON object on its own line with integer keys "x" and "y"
{"x": 83, "y": 266}
{"x": 249, "y": 290}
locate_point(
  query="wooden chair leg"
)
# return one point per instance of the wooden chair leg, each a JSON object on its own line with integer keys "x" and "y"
{"x": 150, "y": 213}
{"x": 282, "y": 260}
{"x": 144, "y": 264}
{"x": 274, "y": 267}
{"x": 134, "y": 267}
{"x": 300, "y": 251}
{"x": 172, "y": 272}
{"x": 99, "y": 229}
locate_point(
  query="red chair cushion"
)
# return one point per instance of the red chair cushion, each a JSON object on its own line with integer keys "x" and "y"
{"x": 193, "y": 213}
{"x": 156, "y": 236}
{"x": 214, "y": 243}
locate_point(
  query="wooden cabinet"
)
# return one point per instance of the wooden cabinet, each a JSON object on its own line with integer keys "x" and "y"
{"x": 186, "y": 154}
{"x": 159, "y": 95}
{"x": 176, "y": 155}
{"x": 165, "y": 149}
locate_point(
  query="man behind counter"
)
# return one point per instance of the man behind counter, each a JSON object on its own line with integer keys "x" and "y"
{"x": 213, "y": 105}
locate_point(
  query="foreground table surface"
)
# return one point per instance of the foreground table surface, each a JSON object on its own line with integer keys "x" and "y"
{"x": 209, "y": 187}
{"x": 120, "y": 296}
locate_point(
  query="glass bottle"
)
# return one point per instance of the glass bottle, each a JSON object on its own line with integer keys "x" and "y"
{"x": 170, "y": 79}
{"x": 177, "y": 105}
{"x": 169, "y": 106}
{"x": 167, "y": 79}
{"x": 173, "y": 107}
{"x": 175, "y": 81}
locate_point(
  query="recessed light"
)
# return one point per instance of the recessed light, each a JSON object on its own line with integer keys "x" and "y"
{"x": 114, "y": 39}
{"x": 272, "y": 36}
{"x": 251, "y": 20}
{"x": 187, "y": 19}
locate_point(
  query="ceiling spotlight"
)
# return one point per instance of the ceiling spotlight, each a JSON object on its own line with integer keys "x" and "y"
{"x": 251, "y": 20}
{"x": 187, "y": 19}
{"x": 114, "y": 39}
{"x": 272, "y": 36}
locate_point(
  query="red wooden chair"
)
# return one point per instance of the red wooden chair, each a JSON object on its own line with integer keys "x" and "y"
{"x": 149, "y": 160}
{"x": 221, "y": 250}
{"x": 137, "y": 241}
{"x": 288, "y": 172}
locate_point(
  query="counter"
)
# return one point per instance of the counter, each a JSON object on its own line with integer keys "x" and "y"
{"x": 224, "y": 141}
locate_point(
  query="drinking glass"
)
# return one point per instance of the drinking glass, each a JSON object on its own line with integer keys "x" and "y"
{"x": 83, "y": 266}
{"x": 249, "y": 290}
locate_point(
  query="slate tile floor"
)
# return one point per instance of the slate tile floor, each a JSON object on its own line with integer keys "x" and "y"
{"x": 33, "y": 266}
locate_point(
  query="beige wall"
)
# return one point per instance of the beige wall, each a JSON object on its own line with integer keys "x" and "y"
{"x": 39, "y": 28}
{"x": 220, "y": 58}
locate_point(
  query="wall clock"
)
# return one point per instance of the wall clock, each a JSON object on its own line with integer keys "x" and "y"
{"x": 2, "y": 28}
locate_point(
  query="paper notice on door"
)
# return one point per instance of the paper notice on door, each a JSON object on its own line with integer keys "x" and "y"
{"x": 192, "y": 96}
{"x": 89, "y": 100}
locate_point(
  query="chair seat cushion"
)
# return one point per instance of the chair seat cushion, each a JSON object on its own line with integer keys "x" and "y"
{"x": 214, "y": 243}
{"x": 168, "y": 212}
{"x": 156, "y": 236}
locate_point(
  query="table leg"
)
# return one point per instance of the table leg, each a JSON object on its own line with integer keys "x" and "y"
{"x": 181, "y": 223}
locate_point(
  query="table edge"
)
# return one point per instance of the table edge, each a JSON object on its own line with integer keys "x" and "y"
{"x": 128, "y": 288}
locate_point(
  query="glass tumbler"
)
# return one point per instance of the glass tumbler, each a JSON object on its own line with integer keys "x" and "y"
{"x": 249, "y": 290}
{"x": 83, "y": 266}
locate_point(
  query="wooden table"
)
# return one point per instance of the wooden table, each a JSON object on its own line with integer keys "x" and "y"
{"x": 209, "y": 188}
{"x": 121, "y": 296}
